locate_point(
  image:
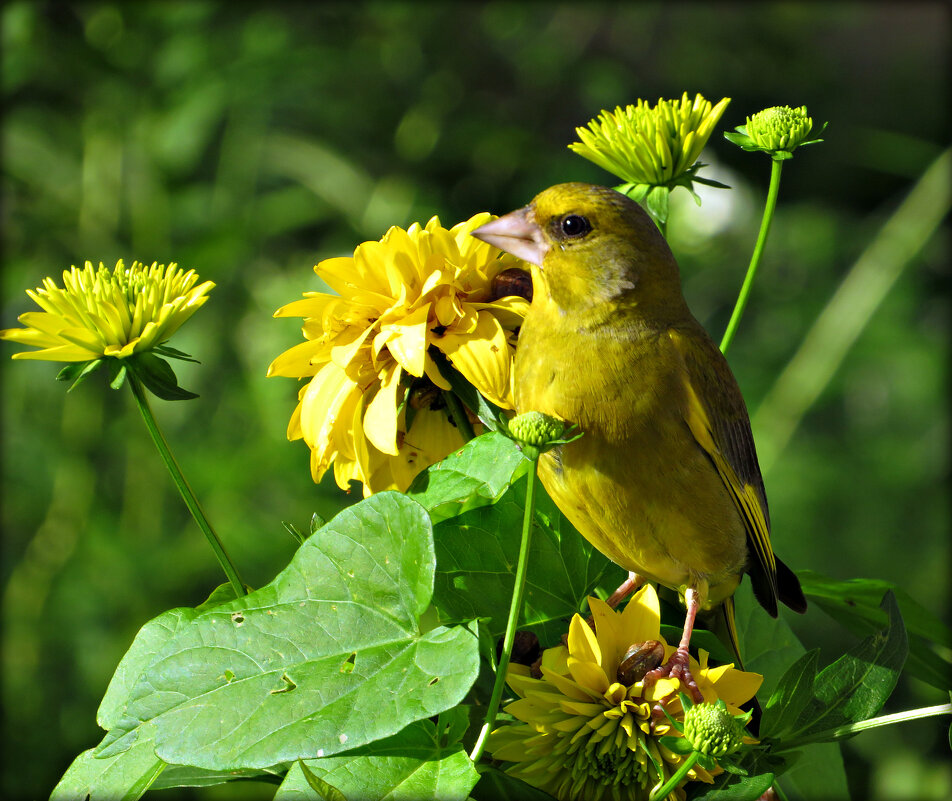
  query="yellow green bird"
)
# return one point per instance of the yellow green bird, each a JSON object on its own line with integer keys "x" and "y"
{"x": 665, "y": 480}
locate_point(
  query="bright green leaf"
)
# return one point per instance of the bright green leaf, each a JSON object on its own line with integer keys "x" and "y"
{"x": 259, "y": 681}
{"x": 412, "y": 764}
{"x": 472, "y": 477}
{"x": 855, "y": 605}
{"x": 856, "y": 685}
{"x": 818, "y": 774}
{"x": 476, "y": 558}
{"x": 122, "y": 777}
{"x": 732, "y": 787}
{"x": 791, "y": 697}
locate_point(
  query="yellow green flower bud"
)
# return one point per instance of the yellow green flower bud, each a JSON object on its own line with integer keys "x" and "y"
{"x": 776, "y": 131}
{"x": 535, "y": 428}
{"x": 711, "y": 729}
{"x": 779, "y": 127}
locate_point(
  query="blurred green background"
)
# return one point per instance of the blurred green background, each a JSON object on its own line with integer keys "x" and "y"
{"x": 249, "y": 141}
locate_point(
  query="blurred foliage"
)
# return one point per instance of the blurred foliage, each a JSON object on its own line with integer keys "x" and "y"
{"x": 250, "y": 141}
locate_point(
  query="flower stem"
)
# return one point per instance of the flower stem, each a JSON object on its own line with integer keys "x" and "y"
{"x": 676, "y": 779}
{"x": 515, "y": 607}
{"x": 184, "y": 489}
{"x": 458, "y": 415}
{"x": 853, "y": 728}
{"x": 741, "y": 303}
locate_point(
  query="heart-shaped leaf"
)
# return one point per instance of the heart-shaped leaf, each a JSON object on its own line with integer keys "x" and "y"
{"x": 326, "y": 657}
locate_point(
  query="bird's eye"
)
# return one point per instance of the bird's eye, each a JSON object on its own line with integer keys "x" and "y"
{"x": 575, "y": 225}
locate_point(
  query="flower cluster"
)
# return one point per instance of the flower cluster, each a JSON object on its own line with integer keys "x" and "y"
{"x": 108, "y": 313}
{"x": 777, "y": 131}
{"x": 651, "y": 145}
{"x": 374, "y": 405}
{"x": 589, "y": 726}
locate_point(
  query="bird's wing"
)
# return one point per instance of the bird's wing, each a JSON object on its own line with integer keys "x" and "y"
{"x": 727, "y": 439}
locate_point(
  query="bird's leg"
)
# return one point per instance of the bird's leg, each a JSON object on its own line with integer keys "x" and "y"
{"x": 626, "y": 588}
{"x": 677, "y": 667}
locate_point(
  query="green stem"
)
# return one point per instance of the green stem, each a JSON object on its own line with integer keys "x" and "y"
{"x": 184, "y": 489}
{"x": 458, "y": 415}
{"x": 853, "y": 728}
{"x": 741, "y": 303}
{"x": 515, "y": 607}
{"x": 676, "y": 779}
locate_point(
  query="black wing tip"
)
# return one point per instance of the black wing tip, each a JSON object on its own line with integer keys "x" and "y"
{"x": 789, "y": 589}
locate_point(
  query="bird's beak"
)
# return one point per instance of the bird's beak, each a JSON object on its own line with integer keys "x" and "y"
{"x": 516, "y": 233}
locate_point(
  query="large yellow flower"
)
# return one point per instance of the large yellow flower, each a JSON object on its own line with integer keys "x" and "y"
{"x": 373, "y": 405}
{"x": 113, "y": 313}
{"x": 588, "y": 728}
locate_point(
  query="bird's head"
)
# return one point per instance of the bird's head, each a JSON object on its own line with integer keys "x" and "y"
{"x": 590, "y": 246}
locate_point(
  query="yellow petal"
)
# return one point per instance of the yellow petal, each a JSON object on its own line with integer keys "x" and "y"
{"x": 381, "y": 418}
{"x": 483, "y": 357}
{"x": 407, "y": 340}
{"x": 431, "y": 438}
{"x": 510, "y": 310}
{"x": 320, "y": 406}
{"x": 582, "y": 642}
{"x": 312, "y": 305}
{"x": 589, "y": 675}
{"x": 303, "y": 360}
{"x": 347, "y": 343}
{"x": 641, "y": 618}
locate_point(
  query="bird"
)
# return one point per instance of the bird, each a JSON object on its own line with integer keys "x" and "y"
{"x": 664, "y": 480}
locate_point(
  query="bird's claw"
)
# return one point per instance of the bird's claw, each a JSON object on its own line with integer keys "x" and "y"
{"x": 677, "y": 667}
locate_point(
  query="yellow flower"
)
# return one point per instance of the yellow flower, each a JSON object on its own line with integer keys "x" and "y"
{"x": 370, "y": 407}
{"x": 652, "y": 146}
{"x": 587, "y": 730}
{"x": 114, "y": 313}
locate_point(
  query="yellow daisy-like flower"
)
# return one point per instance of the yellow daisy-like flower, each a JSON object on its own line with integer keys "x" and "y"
{"x": 650, "y": 145}
{"x": 587, "y": 730}
{"x": 102, "y": 312}
{"x": 371, "y": 406}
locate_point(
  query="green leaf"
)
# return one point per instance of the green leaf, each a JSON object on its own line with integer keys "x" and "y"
{"x": 187, "y": 776}
{"x": 175, "y": 353}
{"x": 855, "y": 605}
{"x": 319, "y": 789}
{"x": 117, "y": 371}
{"x": 476, "y": 559}
{"x": 856, "y": 685}
{"x": 768, "y": 645}
{"x": 158, "y": 377}
{"x": 412, "y": 764}
{"x": 77, "y": 372}
{"x": 819, "y": 773}
{"x": 657, "y": 203}
{"x": 495, "y": 785}
{"x": 733, "y": 787}
{"x": 326, "y": 657}
{"x": 791, "y": 697}
{"x": 152, "y": 638}
{"x": 476, "y": 475}
{"x": 122, "y": 777}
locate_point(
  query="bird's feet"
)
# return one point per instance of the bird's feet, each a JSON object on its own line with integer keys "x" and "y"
{"x": 626, "y": 588}
{"x": 677, "y": 667}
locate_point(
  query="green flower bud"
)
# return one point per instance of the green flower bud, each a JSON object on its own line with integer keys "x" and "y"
{"x": 780, "y": 127}
{"x": 711, "y": 729}
{"x": 535, "y": 428}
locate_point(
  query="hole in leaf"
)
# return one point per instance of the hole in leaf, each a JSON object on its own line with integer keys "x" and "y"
{"x": 347, "y": 666}
{"x": 237, "y": 618}
{"x": 433, "y": 681}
